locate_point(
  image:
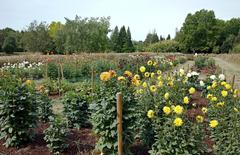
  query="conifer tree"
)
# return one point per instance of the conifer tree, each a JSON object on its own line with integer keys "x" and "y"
{"x": 129, "y": 41}
{"x": 168, "y": 37}
{"x": 161, "y": 38}
{"x": 122, "y": 39}
{"x": 114, "y": 40}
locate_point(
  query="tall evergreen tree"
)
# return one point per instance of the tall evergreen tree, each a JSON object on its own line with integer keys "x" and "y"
{"x": 155, "y": 38}
{"x": 168, "y": 37}
{"x": 148, "y": 39}
{"x": 161, "y": 38}
{"x": 122, "y": 39}
{"x": 129, "y": 41}
{"x": 114, "y": 40}
{"x": 151, "y": 38}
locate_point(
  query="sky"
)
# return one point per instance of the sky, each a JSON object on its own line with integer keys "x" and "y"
{"x": 142, "y": 16}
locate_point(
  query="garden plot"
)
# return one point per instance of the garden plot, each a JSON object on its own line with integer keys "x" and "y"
{"x": 154, "y": 102}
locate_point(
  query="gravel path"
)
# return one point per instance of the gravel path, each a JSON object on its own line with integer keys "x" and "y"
{"x": 229, "y": 69}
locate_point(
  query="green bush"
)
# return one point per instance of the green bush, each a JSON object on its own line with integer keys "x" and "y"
{"x": 201, "y": 62}
{"x": 236, "y": 49}
{"x": 44, "y": 107}
{"x": 226, "y": 134}
{"x": 185, "y": 140}
{"x": 54, "y": 86}
{"x": 76, "y": 109}
{"x": 69, "y": 71}
{"x": 17, "y": 110}
{"x": 165, "y": 46}
{"x": 104, "y": 117}
{"x": 53, "y": 70}
{"x": 9, "y": 45}
{"x": 56, "y": 135}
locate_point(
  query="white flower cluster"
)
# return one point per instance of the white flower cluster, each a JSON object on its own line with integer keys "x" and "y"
{"x": 220, "y": 77}
{"x": 193, "y": 73}
{"x": 22, "y": 65}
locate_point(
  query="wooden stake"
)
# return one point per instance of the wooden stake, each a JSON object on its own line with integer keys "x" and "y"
{"x": 61, "y": 67}
{"x": 119, "y": 123}
{"x": 92, "y": 78}
{"x": 46, "y": 71}
{"x": 233, "y": 80}
{"x": 59, "y": 81}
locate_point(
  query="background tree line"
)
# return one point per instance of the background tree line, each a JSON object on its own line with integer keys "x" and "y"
{"x": 77, "y": 35}
{"x": 201, "y": 32}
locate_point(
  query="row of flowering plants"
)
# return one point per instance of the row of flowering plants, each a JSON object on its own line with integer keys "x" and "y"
{"x": 164, "y": 114}
{"x": 223, "y": 110}
{"x": 24, "y": 69}
{"x": 103, "y": 109}
{"x": 21, "y": 107}
{"x": 176, "y": 125}
{"x": 165, "y": 121}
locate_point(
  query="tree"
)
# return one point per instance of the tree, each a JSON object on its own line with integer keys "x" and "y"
{"x": 37, "y": 38}
{"x": 54, "y": 27}
{"x": 139, "y": 46}
{"x": 86, "y": 34}
{"x": 155, "y": 38}
{"x": 130, "y": 47}
{"x": 114, "y": 40}
{"x": 168, "y": 37}
{"x": 237, "y": 38}
{"x": 151, "y": 38}
{"x": 122, "y": 39}
{"x": 3, "y": 34}
{"x": 148, "y": 39}
{"x": 9, "y": 45}
{"x": 161, "y": 38}
{"x": 164, "y": 46}
{"x": 228, "y": 44}
{"x": 198, "y": 32}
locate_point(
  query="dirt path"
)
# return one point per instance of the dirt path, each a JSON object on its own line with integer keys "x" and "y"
{"x": 187, "y": 65}
{"x": 229, "y": 69}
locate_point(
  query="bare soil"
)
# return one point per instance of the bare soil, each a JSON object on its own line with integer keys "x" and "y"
{"x": 229, "y": 68}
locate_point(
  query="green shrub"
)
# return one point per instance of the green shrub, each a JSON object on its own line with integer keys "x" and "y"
{"x": 69, "y": 71}
{"x": 104, "y": 117}
{"x": 53, "y": 70}
{"x": 226, "y": 134}
{"x": 44, "y": 107}
{"x": 52, "y": 86}
{"x": 165, "y": 46}
{"x": 201, "y": 62}
{"x": 56, "y": 135}
{"x": 236, "y": 49}
{"x": 181, "y": 60}
{"x": 9, "y": 45}
{"x": 185, "y": 140}
{"x": 103, "y": 65}
{"x": 76, "y": 109}
{"x": 36, "y": 73}
{"x": 17, "y": 110}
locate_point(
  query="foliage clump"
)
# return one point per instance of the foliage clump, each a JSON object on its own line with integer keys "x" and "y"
{"x": 18, "y": 110}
